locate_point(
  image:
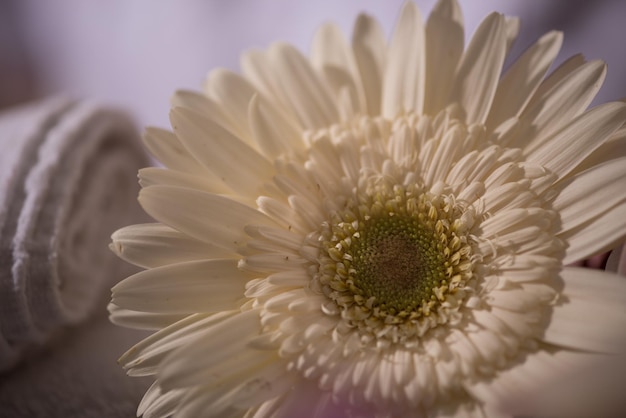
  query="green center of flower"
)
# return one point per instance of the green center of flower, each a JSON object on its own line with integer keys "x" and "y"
{"x": 396, "y": 256}
{"x": 397, "y": 262}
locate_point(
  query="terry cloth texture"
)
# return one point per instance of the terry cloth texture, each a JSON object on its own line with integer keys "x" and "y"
{"x": 66, "y": 183}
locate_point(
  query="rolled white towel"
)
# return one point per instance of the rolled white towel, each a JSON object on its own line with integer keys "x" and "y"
{"x": 64, "y": 188}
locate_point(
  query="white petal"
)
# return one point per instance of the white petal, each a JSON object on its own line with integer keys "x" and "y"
{"x": 154, "y": 245}
{"x": 262, "y": 384}
{"x": 309, "y": 96}
{"x": 282, "y": 214}
{"x": 489, "y": 345}
{"x": 233, "y": 93}
{"x": 587, "y": 195}
{"x": 446, "y": 152}
{"x": 506, "y": 173}
{"x": 508, "y": 196}
{"x": 218, "y": 150}
{"x": 591, "y": 315}
{"x": 272, "y": 263}
{"x": 194, "y": 286}
{"x": 274, "y": 133}
{"x": 199, "y": 401}
{"x": 444, "y": 47}
{"x": 490, "y": 321}
{"x": 279, "y": 237}
{"x": 522, "y": 324}
{"x": 159, "y": 404}
{"x": 563, "y": 71}
{"x": 368, "y": 43}
{"x": 145, "y": 357}
{"x": 551, "y": 109}
{"x": 531, "y": 371}
{"x": 197, "y": 102}
{"x": 231, "y": 395}
{"x": 348, "y": 101}
{"x": 479, "y": 71}
{"x": 616, "y": 262}
{"x": 207, "y": 217}
{"x": 331, "y": 51}
{"x": 613, "y": 148}
{"x": 216, "y": 342}
{"x": 166, "y": 147}
{"x": 474, "y": 166}
{"x": 595, "y": 236}
{"x": 584, "y": 386}
{"x": 511, "y": 29}
{"x": 515, "y": 219}
{"x": 207, "y": 108}
{"x": 521, "y": 80}
{"x": 330, "y": 47}
{"x": 515, "y": 299}
{"x": 403, "y": 83}
{"x": 152, "y": 176}
{"x": 565, "y": 149}
{"x": 141, "y": 320}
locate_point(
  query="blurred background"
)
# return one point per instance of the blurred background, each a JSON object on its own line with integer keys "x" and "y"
{"x": 134, "y": 54}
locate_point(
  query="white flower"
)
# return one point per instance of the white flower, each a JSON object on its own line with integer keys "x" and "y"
{"x": 379, "y": 230}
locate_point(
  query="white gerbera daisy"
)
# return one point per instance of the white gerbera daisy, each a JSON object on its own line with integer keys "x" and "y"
{"x": 377, "y": 231}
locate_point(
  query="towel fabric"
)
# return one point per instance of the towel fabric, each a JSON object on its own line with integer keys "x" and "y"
{"x": 75, "y": 376}
{"x": 65, "y": 168}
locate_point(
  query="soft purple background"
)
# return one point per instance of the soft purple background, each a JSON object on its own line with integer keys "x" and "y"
{"x": 135, "y": 53}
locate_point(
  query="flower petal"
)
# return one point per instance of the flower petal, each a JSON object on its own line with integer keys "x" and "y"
{"x": 550, "y": 109}
{"x": 595, "y": 236}
{"x": 616, "y": 262}
{"x": 309, "y": 96}
{"x": 590, "y": 313}
{"x": 159, "y": 404}
{"x": 256, "y": 67}
{"x": 141, "y": 320}
{"x": 233, "y": 93}
{"x": 185, "y": 288}
{"x": 479, "y": 71}
{"x": 369, "y": 46}
{"x": 228, "y": 338}
{"x": 331, "y": 55}
{"x": 589, "y": 386}
{"x": 444, "y": 47}
{"x": 533, "y": 370}
{"x": 228, "y": 217}
{"x": 521, "y": 80}
{"x": 152, "y": 176}
{"x": 274, "y": 133}
{"x": 155, "y": 245}
{"x": 403, "y": 83}
{"x": 587, "y": 195}
{"x": 207, "y": 108}
{"x": 614, "y": 147}
{"x": 216, "y": 148}
{"x": 511, "y": 30}
{"x": 145, "y": 357}
{"x": 565, "y": 149}
{"x": 167, "y": 148}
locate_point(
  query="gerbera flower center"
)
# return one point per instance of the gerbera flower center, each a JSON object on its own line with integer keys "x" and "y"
{"x": 396, "y": 261}
{"x": 397, "y": 255}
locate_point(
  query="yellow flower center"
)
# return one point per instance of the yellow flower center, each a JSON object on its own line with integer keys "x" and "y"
{"x": 396, "y": 256}
{"x": 396, "y": 261}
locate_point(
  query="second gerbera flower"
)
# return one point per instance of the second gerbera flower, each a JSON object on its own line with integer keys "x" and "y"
{"x": 377, "y": 231}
